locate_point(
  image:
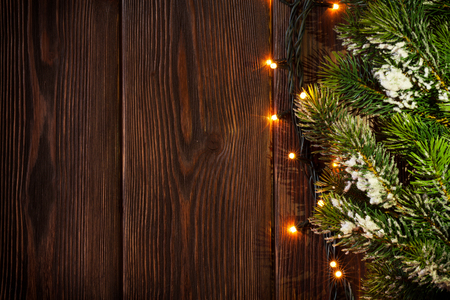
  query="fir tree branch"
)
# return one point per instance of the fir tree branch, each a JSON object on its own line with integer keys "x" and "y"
{"x": 316, "y": 114}
{"x": 403, "y": 21}
{"x": 353, "y": 79}
{"x": 355, "y": 141}
{"x": 426, "y": 146}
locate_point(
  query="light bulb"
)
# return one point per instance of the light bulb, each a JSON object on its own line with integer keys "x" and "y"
{"x": 335, "y": 6}
{"x": 274, "y": 117}
{"x": 320, "y": 203}
{"x": 338, "y": 274}
{"x": 302, "y": 95}
{"x": 292, "y": 229}
{"x": 335, "y": 165}
{"x": 273, "y": 65}
{"x": 291, "y": 155}
{"x": 268, "y": 62}
{"x": 333, "y": 264}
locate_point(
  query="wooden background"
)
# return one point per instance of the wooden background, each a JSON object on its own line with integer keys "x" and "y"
{"x": 137, "y": 160}
{"x": 301, "y": 268}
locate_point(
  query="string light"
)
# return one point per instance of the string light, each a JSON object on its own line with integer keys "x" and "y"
{"x": 338, "y": 274}
{"x": 271, "y": 64}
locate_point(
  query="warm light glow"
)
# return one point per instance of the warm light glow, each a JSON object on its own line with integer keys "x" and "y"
{"x": 338, "y": 274}
{"x": 320, "y": 203}
{"x": 292, "y": 229}
{"x": 335, "y": 6}
{"x": 302, "y": 95}
{"x": 273, "y": 65}
{"x": 291, "y": 155}
{"x": 335, "y": 165}
{"x": 333, "y": 264}
{"x": 274, "y": 117}
{"x": 268, "y": 62}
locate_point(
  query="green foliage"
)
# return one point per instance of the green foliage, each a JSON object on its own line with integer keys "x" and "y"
{"x": 384, "y": 36}
{"x": 425, "y": 144}
{"x": 333, "y": 180}
{"x": 431, "y": 166}
{"x": 316, "y": 114}
{"x": 396, "y": 70}
{"x": 441, "y": 40}
{"x": 404, "y": 130}
{"x": 387, "y": 281}
{"x": 428, "y": 216}
{"x": 353, "y": 79}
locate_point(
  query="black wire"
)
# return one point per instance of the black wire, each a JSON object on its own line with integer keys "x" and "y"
{"x": 294, "y": 37}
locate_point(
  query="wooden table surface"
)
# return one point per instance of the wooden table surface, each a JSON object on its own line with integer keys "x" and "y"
{"x": 137, "y": 160}
{"x": 301, "y": 268}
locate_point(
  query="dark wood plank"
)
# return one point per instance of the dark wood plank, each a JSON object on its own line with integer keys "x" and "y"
{"x": 60, "y": 150}
{"x": 301, "y": 267}
{"x": 197, "y": 189}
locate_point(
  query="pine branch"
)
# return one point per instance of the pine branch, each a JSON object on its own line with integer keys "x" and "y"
{"x": 316, "y": 114}
{"x": 389, "y": 281}
{"x": 431, "y": 164}
{"x": 366, "y": 160}
{"x": 404, "y": 21}
{"x": 403, "y": 58}
{"x": 403, "y": 130}
{"x": 353, "y": 78}
{"x": 426, "y": 146}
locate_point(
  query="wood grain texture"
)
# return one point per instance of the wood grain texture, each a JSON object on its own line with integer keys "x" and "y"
{"x": 300, "y": 260}
{"x": 60, "y": 150}
{"x": 197, "y": 187}
{"x": 136, "y": 153}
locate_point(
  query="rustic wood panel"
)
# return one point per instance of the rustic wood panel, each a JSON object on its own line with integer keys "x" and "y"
{"x": 197, "y": 186}
{"x": 60, "y": 162}
{"x": 300, "y": 267}
{"x": 195, "y": 177}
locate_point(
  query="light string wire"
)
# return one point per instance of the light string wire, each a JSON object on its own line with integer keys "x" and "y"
{"x": 300, "y": 9}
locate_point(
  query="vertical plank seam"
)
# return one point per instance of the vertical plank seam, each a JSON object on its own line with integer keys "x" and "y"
{"x": 121, "y": 95}
{"x": 273, "y": 195}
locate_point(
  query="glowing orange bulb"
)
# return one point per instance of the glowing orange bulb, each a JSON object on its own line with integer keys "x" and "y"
{"x": 292, "y": 229}
{"x": 320, "y": 203}
{"x": 335, "y": 6}
{"x": 338, "y": 274}
{"x": 291, "y": 155}
{"x": 333, "y": 264}
{"x": 274, "y": 117}
{"x": 302, "y": 95}
{"x": 273, "y": 65}
{"x": 335, "y": 165}
{"x": 268, "y": 62}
